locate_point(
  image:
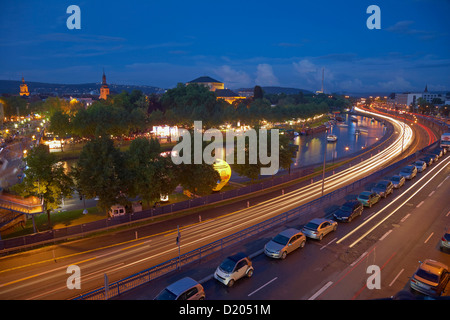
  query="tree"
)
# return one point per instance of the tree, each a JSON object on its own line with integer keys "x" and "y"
{"x": 60, "y": 124}
{"x": 100, "y": 172}
{"x": 150, "y": 174}
{"x": 45, "y": 178}
{"x": 258, "y": 92}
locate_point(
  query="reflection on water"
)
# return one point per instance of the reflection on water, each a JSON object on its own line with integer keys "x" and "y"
{"x": 311, "y": 148}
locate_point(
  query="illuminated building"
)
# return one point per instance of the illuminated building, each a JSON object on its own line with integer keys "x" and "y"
{"x": 228, "y": 95}
{"x": 104, "y": 90}
{"x": 208, "y": 82}
{"x": 24, "y": 88}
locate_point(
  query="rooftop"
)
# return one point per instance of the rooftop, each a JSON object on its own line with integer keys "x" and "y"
{"x": 204, "y": 79}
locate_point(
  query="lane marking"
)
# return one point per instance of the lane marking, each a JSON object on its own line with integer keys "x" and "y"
{"x": 328, "y": 243}
{"x": 420, "y": 204}
{"x": 431, "y": 193}
{"x": 318, "y": 293}
{"x": 429, "y": 237}
{"x": 385, "y": 235}
{"x": 405, "y": 217}
{"x": 263, "y": 286}
{"x": 396, "y": 277}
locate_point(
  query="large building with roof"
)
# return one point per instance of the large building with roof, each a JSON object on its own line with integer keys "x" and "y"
{"x": 218, "y": 88}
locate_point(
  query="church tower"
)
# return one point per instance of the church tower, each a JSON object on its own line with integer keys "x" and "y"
{"x": 24, "y": 88}
{"x": 104, "y": 90}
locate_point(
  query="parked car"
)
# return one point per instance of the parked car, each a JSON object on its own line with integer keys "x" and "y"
{"x": 420, "y": 165}
{"x": 398, "y": 181}
{"x": 318, "y": 228}
{"x": 183, "y": 289}
{"x": 431, "y": 278}
{"x": 285, "y": 242}
{"x": 234, "y": 268}
{"x": 445, "y": 240}
{"x": 383, "y": 188}
{"x": 349, "y": 210}
{"x": 428, "y": 160}
{"x": 435, "y": 157}
{"x": 409, "y": 172}
{"x": 368, "y": 198}
{"x": 438, "y": 152}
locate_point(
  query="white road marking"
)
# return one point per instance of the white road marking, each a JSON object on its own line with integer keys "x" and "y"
{"x": 396, "y": 277}
{"x": 263, "y": 286}
{"x": 318, "y": 293}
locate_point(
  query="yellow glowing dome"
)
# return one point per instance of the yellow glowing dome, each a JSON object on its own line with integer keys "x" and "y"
{"x": 224, "y": 170}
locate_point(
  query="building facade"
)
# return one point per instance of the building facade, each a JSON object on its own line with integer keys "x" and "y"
{"x": 208, "y": 82}
{"x": 104, "y": 90}
{"x": 24, "y": 88}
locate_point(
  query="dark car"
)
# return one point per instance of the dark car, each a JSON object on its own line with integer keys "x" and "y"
{"x": 428, "y": 160}
{"x": 349, "y": 210}
{"x": 383, "y": 188}
{"x": 435, "y": 157}
{"x": 438, "y": 152}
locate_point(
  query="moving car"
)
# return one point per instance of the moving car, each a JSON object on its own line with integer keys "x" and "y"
{"x": 409, "y": 172}
{"x": 234, "y": 268}
{"x": 183, "y": 289}
{"x": 368, "y": 198}
{"x": 435, "y": 157}
{"x": 318, "y": 228}
{"x": 431, "y": 278}
{"x": 420, "y": 165}
{"x": 349, "y": 210}
{"x": 398, "y": 181}
{"x": 285, "y": 242}
{"x": 383, "y": 188}
{"x": 445, "y": 240}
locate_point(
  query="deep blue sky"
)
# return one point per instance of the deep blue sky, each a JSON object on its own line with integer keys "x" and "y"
{"x": 242, "y": 43}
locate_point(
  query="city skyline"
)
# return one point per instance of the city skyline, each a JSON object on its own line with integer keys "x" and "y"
{"x": 241, "y": 44}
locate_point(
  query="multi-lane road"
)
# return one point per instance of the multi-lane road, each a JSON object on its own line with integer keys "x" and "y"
{"x": 393, "y": 236}
{"x": 41, "y": 274}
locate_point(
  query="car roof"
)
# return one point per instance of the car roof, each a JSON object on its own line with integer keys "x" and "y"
{"x": 238, "y": 256}
{"x": 351, "y": 202}
{"x": 367, "y": 193}
{"x": 384, "y": 181}
{"x": 181, "y": 285}
{"x": 289, "y": 232}
{"x": 318, "y": 220}
{"x": 433, "y": 266}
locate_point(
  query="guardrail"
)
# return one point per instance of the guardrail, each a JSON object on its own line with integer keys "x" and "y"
{"x": 305, "y": 211}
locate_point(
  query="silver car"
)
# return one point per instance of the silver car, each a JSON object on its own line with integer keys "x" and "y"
{"x": 318, "y": 228}
{"x": 408, "y": 172}
{"x": 183, "y": 289}
{"x": 445, "y": 240}
{"x": 398, "y": 181}
{"x": 420, "y": 165}
{"x": 285, "y": 242}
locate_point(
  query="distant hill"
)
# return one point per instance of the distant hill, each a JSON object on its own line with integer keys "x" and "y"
{"x": 12, "y": 87}
{"x": 278, "y": 90}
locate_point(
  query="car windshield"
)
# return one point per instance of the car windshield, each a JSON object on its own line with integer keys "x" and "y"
{"x": 406, "y": 169}
{"x": 281, "y": 239}
{"x": 381, "y": 186}
{"x": 364, "y": 196}
{"x": 427, "y": 276}
{"x": 312, "y": 226}
{"x": 227, "y": 265}
{"x": 166, "y": 295}
{"x": 396, "y": 179}
{"x": 447, "y": 236}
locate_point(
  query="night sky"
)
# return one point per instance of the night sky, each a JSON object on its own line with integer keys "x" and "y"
{"x": 242, "y": 43}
